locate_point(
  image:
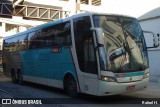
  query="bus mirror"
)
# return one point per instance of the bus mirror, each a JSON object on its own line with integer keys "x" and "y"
{"x": 156, "y": 40}
{"x": 149, "y": 36}
{"x": 99, "y": 36}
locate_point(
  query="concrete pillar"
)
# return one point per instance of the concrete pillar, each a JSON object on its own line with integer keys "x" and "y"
{"x": 3, "y": 27}
{"x": 22, "y": 28}
{"x": 78, "y": 1}
{"x": 73, "y": 7}
{"x": 89, "y": 2}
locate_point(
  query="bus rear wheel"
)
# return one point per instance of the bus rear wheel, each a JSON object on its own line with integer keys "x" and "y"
{"x": 71, "y": 86}
{"x": 13, "y": 75}
{"x": 20, "y": 77}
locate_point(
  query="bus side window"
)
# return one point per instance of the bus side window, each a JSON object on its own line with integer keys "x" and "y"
{"x": 34, "y": 40}
{"x": 6, "y": 45}
{"x": 56, "y": 35}
{"x": 31, "y": 40}
{"x": 85, "y": 45}
{"x": 9, "y": 45}
{"x": 64, "y": 34}
{"x": 48, "y": 36}
{"x": 15, "y": 44}
{"x": 22, "y": 42}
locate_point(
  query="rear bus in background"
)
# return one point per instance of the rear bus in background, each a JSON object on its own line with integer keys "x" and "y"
{"x": 90, "y": 53}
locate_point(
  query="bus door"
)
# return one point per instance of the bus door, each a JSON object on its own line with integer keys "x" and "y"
{"x": 87, "y": 61}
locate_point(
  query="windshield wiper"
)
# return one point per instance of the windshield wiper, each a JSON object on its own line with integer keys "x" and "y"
{"x": 120, "y": 52}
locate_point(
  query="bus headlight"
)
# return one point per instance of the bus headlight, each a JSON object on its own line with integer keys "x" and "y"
{"x": 146, "y": 75}
{"x": 108, "y": 79}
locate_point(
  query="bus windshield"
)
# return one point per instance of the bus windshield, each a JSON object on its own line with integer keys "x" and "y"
{"x": 124, "y": 47}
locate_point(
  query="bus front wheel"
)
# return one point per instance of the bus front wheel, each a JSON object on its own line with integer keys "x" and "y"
{"x": 71, "y": 86}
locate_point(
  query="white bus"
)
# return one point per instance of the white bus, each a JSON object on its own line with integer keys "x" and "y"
{"x": 92, "y": 53}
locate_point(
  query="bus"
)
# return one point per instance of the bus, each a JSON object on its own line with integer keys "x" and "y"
{"x": 91, "y": 53}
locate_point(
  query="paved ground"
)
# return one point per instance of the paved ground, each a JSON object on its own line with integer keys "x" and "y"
{"x": 29, "y": 90}
{"x": 152, "y": 91}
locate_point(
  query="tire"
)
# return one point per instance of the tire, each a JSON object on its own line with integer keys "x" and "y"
{"x": 13, "y": 76}
{"x": 20, "y": 78}
{"x": 71, "y": 86}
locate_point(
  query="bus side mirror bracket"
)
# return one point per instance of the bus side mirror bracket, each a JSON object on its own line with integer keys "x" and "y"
{"x": 98, "y": 45}
{"x": 99, "y": 37}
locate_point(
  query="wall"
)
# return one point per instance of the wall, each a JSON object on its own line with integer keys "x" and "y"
{"x": 154, "y": 54}
{"x": 154, "y": 63}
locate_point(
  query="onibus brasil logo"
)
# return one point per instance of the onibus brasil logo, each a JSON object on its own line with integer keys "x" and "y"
{"x": 17, "y": 101}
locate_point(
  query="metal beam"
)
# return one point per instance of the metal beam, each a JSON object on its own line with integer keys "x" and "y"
{"x": 6, "y": 9}
{"x": 32, "y": 12}
{"x": 17, "y": 3}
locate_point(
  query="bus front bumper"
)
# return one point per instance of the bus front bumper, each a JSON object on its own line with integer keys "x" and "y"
{"x": 112, "y": 88}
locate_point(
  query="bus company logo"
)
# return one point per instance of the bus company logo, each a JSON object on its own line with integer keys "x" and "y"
{"x": 120, "y": 75}
{"x": 6, "y": 101}
{"x": 56, "y": 50}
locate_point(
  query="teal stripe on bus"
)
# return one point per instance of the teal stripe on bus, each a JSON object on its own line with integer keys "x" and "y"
{"x": 120, "y": 75}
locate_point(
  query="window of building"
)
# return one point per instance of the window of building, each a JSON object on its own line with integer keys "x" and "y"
{"x": 96, "y": 2}
{"x": 84, "y": 1}
{"x": 91, "y": 2}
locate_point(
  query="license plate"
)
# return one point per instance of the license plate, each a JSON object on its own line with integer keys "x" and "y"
{"x": 131, "y": 87}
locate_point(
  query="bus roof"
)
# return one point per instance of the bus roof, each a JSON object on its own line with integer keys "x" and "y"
{"x": 60, "y": 21}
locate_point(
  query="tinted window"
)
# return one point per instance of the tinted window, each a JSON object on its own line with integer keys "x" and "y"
{"x": 10, "y": 44}
{"x": 14, "y": 44}
{"x": 85, "y": 45}
{"x": 63, "y": 35}
{"x": 7, "y": 45}
{"x": 57, "y": 35}
{"x": 17, "y": 43}
{"x": 48, "y": 36}
{"x": 22, "y": 42}
{"x": 34, "y": 40}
